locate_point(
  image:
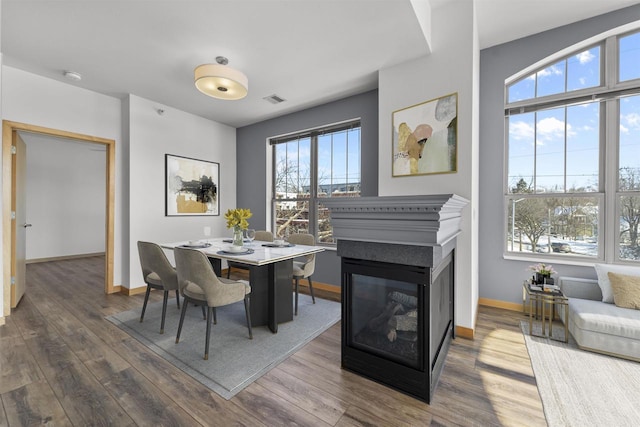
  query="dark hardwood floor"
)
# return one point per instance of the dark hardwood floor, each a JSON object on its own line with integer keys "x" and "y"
{"x": 62, "y": 363}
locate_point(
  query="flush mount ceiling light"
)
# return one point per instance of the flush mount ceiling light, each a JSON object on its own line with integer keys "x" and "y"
{"x": 221, "y": 81}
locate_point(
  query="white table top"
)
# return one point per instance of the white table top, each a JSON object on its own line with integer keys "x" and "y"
{"x": 261, "y": 255}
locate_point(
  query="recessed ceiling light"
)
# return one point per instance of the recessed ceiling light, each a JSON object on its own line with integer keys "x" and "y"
{"x": 72, "y": 75}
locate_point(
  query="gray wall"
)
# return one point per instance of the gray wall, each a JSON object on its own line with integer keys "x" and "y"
{"x": 252, "y": 160}
{"x": 501, "y": 279}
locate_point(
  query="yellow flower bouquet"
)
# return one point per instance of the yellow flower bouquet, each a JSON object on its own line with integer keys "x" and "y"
{"x": 238, "y": 218}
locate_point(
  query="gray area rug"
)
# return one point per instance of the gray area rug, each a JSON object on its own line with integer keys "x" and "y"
{"x": 235, "y": 361}
{"x": 582, "y": 388}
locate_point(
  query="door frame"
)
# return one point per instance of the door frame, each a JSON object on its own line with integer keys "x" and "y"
{"x": 9, "y": 131}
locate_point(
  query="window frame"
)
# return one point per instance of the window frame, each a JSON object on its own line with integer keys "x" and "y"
{"x": 314, "y": 200}
{"x": 608, "y": 94}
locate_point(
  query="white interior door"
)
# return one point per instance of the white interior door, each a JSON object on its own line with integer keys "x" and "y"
{"x": 20, "y": 224}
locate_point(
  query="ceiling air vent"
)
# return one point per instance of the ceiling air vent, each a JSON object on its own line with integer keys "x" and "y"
{"x": 274, "y": 99}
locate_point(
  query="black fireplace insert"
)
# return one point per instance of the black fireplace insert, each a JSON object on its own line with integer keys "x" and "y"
{"x": 397, "y": 322}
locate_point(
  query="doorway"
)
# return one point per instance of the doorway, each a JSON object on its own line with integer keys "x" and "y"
{"x": 9, "y": 137}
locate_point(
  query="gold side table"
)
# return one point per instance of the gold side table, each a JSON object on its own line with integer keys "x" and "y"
{"x": 539, "y": 300}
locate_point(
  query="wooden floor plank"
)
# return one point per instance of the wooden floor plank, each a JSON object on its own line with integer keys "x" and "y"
{"x": 274, "y": 410}
{"x": 4, "y": 422}
{"x": 304, "y": 395}
{"x": 34, "y": 404}
{"x": 17, "y": 366}
{"x": 202, "y": 403}
{"x": 143, "y": 402}
{"x": 355, "y": 416}
{"x": 83, "y": 398}
{"x": 111, "y": 378}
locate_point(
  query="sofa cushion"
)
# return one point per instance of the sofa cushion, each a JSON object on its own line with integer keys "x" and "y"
{"x": 603, "y": 279}
{"x": 602, "y": 318}
{"x": 626, "y": 290}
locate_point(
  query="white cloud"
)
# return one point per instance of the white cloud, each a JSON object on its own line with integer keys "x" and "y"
{"x": 550, "y": 126}
{"x": 623, "y": 129}
{"x": 632, "y": 120}
{"x": 585, "y": 57}
{"x": 520, "y": 130}
{"x": 549, "y": 71}
{"x": 582, "y": 81}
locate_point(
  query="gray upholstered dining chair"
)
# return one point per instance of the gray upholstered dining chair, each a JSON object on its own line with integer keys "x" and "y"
{"x": 261, "y": 235}
{"x": 200, "y": 285}
{"x": 303, "y": 269}
{"x": 158, "y": 273}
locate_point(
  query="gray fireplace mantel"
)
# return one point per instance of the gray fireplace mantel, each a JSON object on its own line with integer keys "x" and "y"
{"x": 429, "y": 220}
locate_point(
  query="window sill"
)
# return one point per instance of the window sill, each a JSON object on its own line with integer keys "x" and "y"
{"x": 554, "y": 260}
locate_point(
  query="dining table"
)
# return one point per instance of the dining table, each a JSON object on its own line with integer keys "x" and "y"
{"x": 270, "y": 273}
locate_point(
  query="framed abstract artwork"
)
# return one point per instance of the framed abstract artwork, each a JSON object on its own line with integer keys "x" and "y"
{"x": 425, "y": 137}
{"x": 192, "y": 186}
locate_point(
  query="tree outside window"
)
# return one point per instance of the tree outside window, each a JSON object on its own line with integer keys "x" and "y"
{"x": 309, "y": 167}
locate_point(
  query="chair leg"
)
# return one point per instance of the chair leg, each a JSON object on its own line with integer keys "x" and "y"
{"x": 204, "y": 313}
{"x": 165, "y": 298}
{"x": 178, "y": 298}
{"x": 215, "y": 319}
{"x": 184, "y": 310}
{"x": 144, "y": 305}
{"x": 297, "y": 284}
{"x": 313, "y": 298}
{"x": 247, "y": 309}
{"x": 228, "y": 271}
{"x": 206, "y": 344}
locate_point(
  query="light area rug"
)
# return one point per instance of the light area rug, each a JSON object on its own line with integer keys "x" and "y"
{"x": 235, "y": 361}
{"x": 582, "y": 388}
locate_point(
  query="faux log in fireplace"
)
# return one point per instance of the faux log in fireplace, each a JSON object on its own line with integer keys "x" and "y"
{"x": 398, "y": 287}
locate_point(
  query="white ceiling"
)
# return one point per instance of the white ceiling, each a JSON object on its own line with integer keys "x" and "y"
{"x": 308, "y": 52}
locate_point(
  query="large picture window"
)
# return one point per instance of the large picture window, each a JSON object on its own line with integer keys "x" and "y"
{"x": 565, "y": 121}
{"x": 308, "y": 167}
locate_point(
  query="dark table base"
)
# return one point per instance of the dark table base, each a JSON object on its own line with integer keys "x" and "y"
{"x": 271, "y": 292}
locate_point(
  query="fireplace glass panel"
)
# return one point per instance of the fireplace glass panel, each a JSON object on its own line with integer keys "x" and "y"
{"x": 385, "y": 320}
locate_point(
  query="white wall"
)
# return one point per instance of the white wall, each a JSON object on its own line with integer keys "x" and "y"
{"x": 66, "y": 186}
{"x": 151, "y": 136}
{"x": 452, "y": 67}
{"x": 32, "y": 99}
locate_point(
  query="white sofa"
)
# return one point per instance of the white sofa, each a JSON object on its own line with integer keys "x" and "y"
{"x": 599, "y": 326}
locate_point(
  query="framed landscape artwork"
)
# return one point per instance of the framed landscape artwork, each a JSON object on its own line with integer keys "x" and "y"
{"x": 192, "y": 186}
{"x": 425, "y": 137}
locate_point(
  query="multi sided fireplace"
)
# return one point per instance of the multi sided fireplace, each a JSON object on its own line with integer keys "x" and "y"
{"x": 397, "y": 263}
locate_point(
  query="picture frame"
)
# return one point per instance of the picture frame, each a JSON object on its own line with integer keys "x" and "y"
{"x": 191, "y": 187}
{"x": 425, "y": 138}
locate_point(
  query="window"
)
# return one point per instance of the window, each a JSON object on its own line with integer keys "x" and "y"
{"x": 565, "y": 121}
{"x": 628, "y": 195}
{"x": 308, "y": 167}
{"x": 629, "y": 48}
{"x": 578, "y": 71}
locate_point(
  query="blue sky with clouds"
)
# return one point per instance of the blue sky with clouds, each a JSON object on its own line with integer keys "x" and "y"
{"x": 563, "y": 143}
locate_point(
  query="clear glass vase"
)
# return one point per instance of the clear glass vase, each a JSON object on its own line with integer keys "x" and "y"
{"x": 237, "y": 236}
